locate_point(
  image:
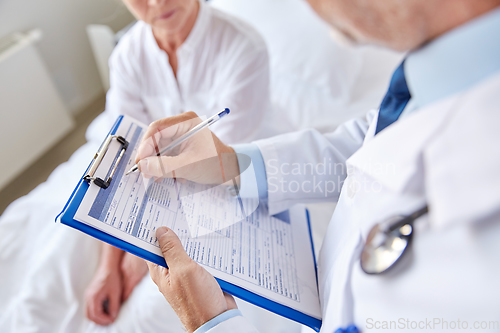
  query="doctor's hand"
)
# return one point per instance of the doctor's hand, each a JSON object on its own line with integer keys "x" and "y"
{"x": 203, "y": 158}
{"x": 192, "y": 292}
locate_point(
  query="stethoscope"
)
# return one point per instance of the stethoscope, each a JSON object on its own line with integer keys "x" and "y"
{"x": 387, "y": 242}
{"x": 385, "y": 245}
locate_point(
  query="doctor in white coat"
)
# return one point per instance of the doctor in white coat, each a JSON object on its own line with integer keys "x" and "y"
{"x": 433, "y": 143}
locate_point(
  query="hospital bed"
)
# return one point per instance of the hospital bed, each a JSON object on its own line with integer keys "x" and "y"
{"x": 316, "y": 81}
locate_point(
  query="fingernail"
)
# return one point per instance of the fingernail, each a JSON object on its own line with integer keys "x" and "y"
{"x": 161, "y": 231}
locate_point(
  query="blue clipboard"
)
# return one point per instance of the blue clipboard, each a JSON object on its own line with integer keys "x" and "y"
{"x": 67, "y": 217}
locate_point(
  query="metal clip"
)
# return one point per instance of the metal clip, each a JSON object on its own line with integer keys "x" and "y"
{"x": 89, "y": 176}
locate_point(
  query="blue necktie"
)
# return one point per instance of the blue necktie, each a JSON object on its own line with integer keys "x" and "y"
{"x": 394, "y": 101}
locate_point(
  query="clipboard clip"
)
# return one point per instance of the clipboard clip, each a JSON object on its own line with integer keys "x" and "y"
{"x": 89, "y": 175}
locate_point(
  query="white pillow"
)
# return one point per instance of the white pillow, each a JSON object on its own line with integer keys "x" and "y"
{"x": 312, "y": 76}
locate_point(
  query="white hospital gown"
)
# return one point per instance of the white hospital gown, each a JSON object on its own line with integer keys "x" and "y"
{"x": 223, "y": 63}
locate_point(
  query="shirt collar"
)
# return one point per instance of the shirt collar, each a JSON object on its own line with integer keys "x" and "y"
{"x": 195, "y": 36}
{"x": 455, "y": 61}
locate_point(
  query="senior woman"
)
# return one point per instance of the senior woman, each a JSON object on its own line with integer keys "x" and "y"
{"x": 181, "y": 55}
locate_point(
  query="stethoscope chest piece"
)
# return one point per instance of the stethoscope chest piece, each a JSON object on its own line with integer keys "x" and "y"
{"x": 387, "y": 242}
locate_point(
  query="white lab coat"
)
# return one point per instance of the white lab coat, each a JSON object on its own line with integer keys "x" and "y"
{"x": 446, "y": 155}
{"x": 223, "y": 63}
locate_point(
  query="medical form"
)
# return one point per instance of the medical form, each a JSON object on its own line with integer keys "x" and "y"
{"x": 233, "y": 238}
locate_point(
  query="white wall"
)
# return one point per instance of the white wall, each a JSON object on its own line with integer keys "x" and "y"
{"x": 64, "y": 47}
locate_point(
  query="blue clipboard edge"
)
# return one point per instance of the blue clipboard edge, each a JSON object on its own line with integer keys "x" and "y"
{"x": 272, "y": 306}
{"x": 68, "y": 213}
{"x": 67, "y": 217}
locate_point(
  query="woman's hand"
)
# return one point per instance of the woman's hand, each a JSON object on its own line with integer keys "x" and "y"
{"x": 103, "y": 296}
{"x": 203, "y": 158}
{"x": 192, "y": 292}
{"x": 133, "y": 270}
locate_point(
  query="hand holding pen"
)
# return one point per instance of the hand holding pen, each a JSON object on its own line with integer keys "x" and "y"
{"x": 200, "y": 156}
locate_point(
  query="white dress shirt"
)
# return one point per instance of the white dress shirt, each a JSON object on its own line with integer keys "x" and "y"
{"x": 223, "y": 63}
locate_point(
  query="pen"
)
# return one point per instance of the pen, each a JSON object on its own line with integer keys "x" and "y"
{"x": 187, "y": 135}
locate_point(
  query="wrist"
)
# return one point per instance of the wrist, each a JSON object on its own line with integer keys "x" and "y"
{"x": 230, "y": 165}
{"x": 111, "y": 258}
{"x": 218, "y": 320}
